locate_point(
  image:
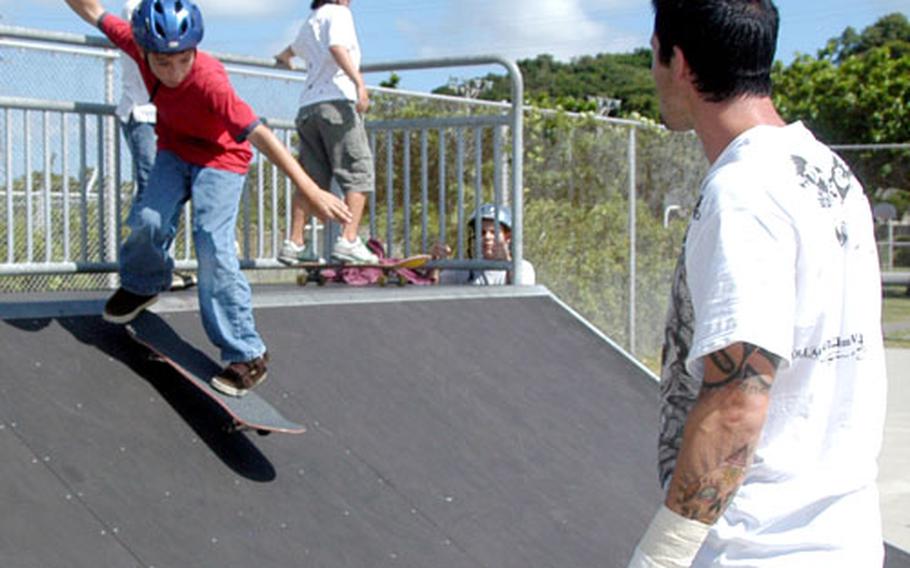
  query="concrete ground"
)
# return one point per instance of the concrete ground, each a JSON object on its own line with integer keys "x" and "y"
{"x": 894, "y": 474}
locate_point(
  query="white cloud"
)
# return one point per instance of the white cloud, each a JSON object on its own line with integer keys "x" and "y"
{"x": 246, "y": 8}
{"x": 214, "y": 8}
{"x": 521, "y": 28}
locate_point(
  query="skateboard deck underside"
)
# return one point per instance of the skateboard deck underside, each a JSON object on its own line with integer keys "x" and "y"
{"x": 415, "y": 261}
{"x": 250, "y": 412}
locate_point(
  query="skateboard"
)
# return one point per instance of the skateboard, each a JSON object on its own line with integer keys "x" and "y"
{"x": 322, "y": 272}
{"x": 250, "y": 412}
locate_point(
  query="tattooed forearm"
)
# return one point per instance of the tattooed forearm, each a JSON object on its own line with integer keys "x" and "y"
{"x": 705, "y": 498}
{"x": 742, "y": 363}
{"x": 722, "y": 431}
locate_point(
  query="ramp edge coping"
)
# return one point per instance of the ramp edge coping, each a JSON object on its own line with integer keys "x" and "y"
{"x": 77, "y": 304}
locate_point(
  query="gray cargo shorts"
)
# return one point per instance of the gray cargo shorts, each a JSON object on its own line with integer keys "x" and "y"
{"x": 333, "y": 143}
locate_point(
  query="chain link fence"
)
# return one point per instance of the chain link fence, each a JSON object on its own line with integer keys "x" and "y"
{"x": 884, "y": 170}
{"x": 608, "y": 256}
{"x": 49, "y": 147}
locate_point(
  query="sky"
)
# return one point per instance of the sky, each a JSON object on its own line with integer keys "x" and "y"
{"x": 395, "y": 30}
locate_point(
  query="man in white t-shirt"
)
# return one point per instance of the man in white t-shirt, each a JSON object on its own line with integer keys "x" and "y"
{"x": 773, "y": 381}
{"x": 333, "y": 141}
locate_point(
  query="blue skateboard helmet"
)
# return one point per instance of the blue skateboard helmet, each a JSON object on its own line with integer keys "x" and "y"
{"x": 167, "y": 26}
{"x": 488, "y": 211}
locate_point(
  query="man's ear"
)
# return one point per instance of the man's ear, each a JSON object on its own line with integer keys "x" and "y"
{"x": 679, "y": 66}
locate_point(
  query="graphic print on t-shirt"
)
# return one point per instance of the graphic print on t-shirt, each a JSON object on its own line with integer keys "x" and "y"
{"x": 831, "y": 188}
{"x": 678, "y": 388}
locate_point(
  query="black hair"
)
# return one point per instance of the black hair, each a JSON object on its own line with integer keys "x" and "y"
{"x": 319, "y": 3}
{"x": 729, "y": 44}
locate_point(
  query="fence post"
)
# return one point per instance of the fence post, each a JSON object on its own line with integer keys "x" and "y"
{"x": 110, "y": 183}
{"x": 632, "y": 237}
{"x": 517, "y": 169}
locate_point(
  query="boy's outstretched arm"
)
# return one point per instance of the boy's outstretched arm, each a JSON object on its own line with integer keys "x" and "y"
{"x": 321, "y": 203}
{"x": 88, "y": 10}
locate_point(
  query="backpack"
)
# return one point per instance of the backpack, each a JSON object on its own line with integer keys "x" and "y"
{"x": 366, "y": 275}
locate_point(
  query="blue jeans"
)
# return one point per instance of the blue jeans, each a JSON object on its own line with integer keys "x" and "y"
{"x": 225, "y": 300}
{"x": 142, "y": 142}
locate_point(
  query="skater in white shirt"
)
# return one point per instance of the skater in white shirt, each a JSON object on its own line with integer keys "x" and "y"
{"x": 333, "y": 141}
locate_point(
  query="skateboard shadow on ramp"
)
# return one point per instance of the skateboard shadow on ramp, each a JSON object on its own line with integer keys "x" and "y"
{"x": 202, "y": 415}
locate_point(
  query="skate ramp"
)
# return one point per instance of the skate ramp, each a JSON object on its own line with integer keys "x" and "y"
{"x": 445, "y": 430}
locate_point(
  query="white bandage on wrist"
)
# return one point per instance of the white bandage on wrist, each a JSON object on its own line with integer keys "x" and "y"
{"x": 671, "y": 541}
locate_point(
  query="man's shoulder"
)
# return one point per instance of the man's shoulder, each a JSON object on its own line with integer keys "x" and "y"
{"x": 760, "y": 163}
{"x": 741, "y": 178}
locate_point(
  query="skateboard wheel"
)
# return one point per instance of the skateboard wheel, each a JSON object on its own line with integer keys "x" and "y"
{"x": 155, "y": 358}
{"x": 263, "y": 432}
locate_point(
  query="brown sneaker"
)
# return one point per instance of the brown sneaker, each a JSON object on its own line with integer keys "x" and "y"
{"x": 124, "y": 306}
{"x": 238, "y": 378}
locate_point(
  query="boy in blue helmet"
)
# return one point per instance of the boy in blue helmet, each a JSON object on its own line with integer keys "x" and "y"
{"x": 137, "y": 123}
{"x": 495, "y": 244}
{"x": 204, "y": 134}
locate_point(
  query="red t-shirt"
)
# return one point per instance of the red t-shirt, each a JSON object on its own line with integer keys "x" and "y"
{"x": 202, "y": 120}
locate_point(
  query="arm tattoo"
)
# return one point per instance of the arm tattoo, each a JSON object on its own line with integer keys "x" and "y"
{"x": 716, "y": 460}
{"x": 706, "y": 498}
{"x": 747, "y": 368}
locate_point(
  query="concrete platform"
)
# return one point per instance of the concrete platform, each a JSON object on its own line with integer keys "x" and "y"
{"x": 894, "y": 474}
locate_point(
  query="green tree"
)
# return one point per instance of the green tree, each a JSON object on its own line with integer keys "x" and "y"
{"x": 589, "y": 83}
{"x": 862, "y": 99}
{"x": 392, "y": 82}
{"x": 855, "y": 91}
{"x": 892, "y": 30}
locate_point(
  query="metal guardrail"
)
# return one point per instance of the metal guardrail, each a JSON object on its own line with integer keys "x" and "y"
{"x": 414, "y": 149}
{"x": 896, "y": 278}
{"x": 82, "y": 197}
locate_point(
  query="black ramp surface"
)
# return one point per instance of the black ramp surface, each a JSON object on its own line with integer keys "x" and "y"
{"x": 38, "y": 507}
{"x": 459, "y": 433}
{"x": 896, "y": 558}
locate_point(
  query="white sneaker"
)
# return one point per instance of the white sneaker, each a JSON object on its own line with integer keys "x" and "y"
{"x": 353, "y": 251}
{"x": 292, "y": 253}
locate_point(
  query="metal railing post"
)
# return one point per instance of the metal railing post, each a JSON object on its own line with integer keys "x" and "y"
{"x": 632, "y": 236}
{"x": 108, "y": 184}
